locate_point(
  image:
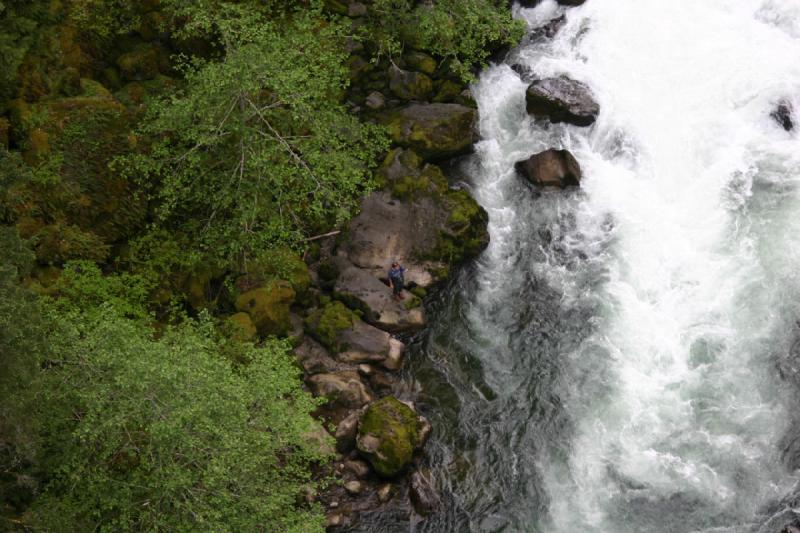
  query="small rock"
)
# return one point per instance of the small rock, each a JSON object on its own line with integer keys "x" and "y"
{"x": 381, "y": 382}
{"x": 551, "y": 168}
{"x": 354, "y": 487}
{"x": 356, "y": 9}
{"x": 366, "y": 370}
{"x": 346, "y": 432}
{"x": 422, "y": 491}
{"x": 385, "y": 492}
{"x": 425, "y": 430}
{"x": 360, "y": 469}
{"x": 562, "y": 100}
{"x": 394, "y": 359}
{"x": 783, "y": 115}
{"x": 334, "y": 520}
{"x": 375, "y": 100}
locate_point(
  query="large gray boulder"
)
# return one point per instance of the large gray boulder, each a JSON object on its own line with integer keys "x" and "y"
{"x": 551, "y": 168}
{"x": 562, "y": 100}
{"x": 418, "y": 220}
{"x": 435, "y": 131}
{"x": 314, "y": 358}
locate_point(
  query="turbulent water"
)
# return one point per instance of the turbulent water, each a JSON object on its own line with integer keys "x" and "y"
{"x": 625, "y": 357}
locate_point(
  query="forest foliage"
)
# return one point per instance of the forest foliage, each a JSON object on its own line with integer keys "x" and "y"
{"x": 121, "y": 407}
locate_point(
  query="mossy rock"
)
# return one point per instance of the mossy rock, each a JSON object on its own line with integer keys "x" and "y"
{"x": 449, "y": 91}
{"x": 241, "y": 327}
{"x": 409, "y": 85}
{"x": 465, "y": 233}
{"x": 142, "y": 63}
{"x": 388, "y": 433}
{"x": 421, "y": 62}
{"x": 326, "y": 323}
{"x": 268, "y": 307}
{"x": 90, "y": 87}
{"x": 434, "y": 131}
{"x": 280, "y": 263}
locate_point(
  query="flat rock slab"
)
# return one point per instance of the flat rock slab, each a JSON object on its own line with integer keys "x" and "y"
{"x": 360, "y": 289}
{"x": 367, "y": 344}
{"x": 562, "y": 100}
{"x": 387, "y": 229}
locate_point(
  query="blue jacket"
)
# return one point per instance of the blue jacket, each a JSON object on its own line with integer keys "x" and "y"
{"x": 396, "y": 274}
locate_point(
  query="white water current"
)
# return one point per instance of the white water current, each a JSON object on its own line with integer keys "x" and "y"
{"x": 689, "y": 216}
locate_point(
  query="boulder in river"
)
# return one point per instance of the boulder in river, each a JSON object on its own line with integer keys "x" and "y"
{"x": 562, "y": 100}
{"x": 551, "y": 168}
{"x": 388, "y": 434}
{"x": 435, "y": 131}
{"x": 422, "y": 491}
{"x": 783, "y": 115}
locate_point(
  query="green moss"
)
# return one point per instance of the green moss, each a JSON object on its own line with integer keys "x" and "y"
{"x": 396, "y": 427}
{"x": 91, "y": 87}
{"x": 281, "y": 263}
{"x": 418, "y": 291}
{"x": 325, "y": 324}
{"x": 241, "y": 327}
{"x": 465, "y": 234}
{"x": 268, "y": 307}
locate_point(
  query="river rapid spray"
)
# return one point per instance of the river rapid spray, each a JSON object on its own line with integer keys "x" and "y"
{"x": 622, "y": 358}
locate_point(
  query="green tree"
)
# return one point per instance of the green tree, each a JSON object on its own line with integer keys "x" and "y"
{"x": 257, "y": 149}
{"x": 145, "y": 434}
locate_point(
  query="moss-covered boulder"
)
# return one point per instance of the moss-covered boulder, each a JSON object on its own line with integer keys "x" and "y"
{"x": 388, "y": 434}
{"x": 409, "y": 85}
{"x": 420, "y": 61}
{"x": 268, "y": 307}
{"x": 435, "y": 131}
{"x": 326, "y": 323}
{"x": 241, "y": 327}
{"x": 280, "y": 263}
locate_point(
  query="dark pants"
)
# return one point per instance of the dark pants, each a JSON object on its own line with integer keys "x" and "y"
{"x": 398, "y": 285}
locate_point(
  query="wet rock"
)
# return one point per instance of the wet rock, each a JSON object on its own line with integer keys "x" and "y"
{"x": 360, "y": 469}
{"x": 387, "y": 435}
{"x": 347, "y": 431}
{"x": 354, "y": 487}
{"x": 342, "y": 388}
{"x": 546, "y": 31}
{"x": 435, "y": 131}
{"x": 334, "y": 520}
{"x": 314, "y": 358}
{"x": 551, "y": 168}
{"x": 385, "y": 492}
{"x": 380, "y": 382}
{"x": 362, "y": 290}
{"x": 409, "y": 85}
{"x": 366, "y": 370}
{"x": 423, "y": 492}
{"x": 268, "y": 307}
{"x": 562, "y": 100}
{"x": 783, "y": 115}
{"x": 425, "y": 430}
{"x": 375, "y": 100}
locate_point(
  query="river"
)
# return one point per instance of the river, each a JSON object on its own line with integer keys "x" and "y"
{"x": 624, "y": 357}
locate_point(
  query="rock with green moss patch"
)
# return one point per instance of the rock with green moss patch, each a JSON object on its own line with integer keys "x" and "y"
{"x": 268, "y": 307}
{"x": 420, "y": 61}
{"x": 435, "y": 131}
{"x": 409, "y": 85}
{"x": 343, "y": 388}
{"x": 388, "y": 434}
{"x": 242, "y": 327}
{"x": 327, "y": 323}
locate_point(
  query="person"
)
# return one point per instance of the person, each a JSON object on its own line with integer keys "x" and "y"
{"x": 397, "y": 279}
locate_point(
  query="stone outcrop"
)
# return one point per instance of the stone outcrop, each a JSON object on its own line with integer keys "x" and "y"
{"x": 363, "y": 343}
{"x": 410, "y": 85}
{"x": 388, "y": 434}
{"x": 423, "y": 491}
{"x": 435, "y": 131}
{"x": 551, "y": 168}
{"x": 562, "y": 100}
